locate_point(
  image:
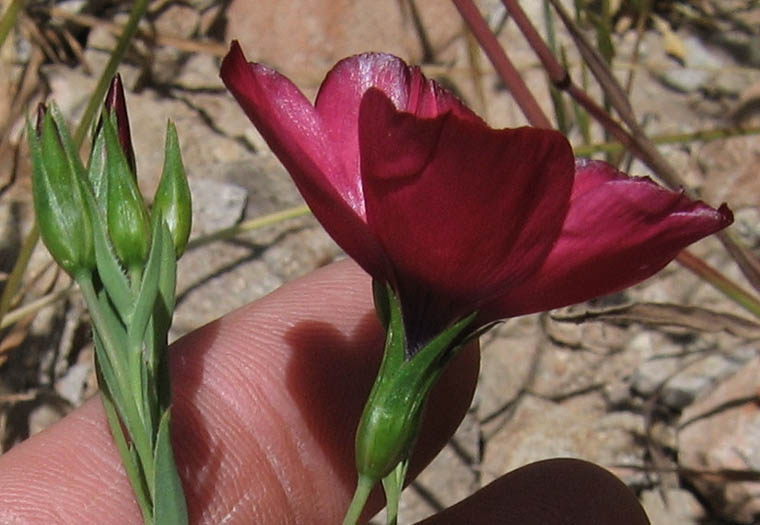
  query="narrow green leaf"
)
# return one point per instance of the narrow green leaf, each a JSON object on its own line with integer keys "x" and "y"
{"x": 170, "y": 507}
{"x": 107, "y": 380}
{"x": 109, "y": 268}
{"x": 146, "y": 297}
{"x": 161, "y": 322}
{"x": 167, "y": 283}
{"x": 128, "y": 456}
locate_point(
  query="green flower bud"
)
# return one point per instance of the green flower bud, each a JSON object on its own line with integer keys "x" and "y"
{"x": 390, "y": 422}
{"x": 58, "y": 187}
{"x": 116, "y": 103}
{"x": 126, "y": 213}
{"x": 172, "y": 200}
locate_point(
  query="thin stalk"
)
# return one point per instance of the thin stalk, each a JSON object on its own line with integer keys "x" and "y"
{"x": 13, "y": 284}
{"x": 503, "y": 65}
{"x": 641, "y": 22}
{"x": 133, "y": 421}
{"x": 253, "y": 224}
{"x": 364, "y": 487}
{"x": 110, "y": 70}
{"x": 393, "y": 484}
{"x": 706, "y": 135}
{"x": 720, "y": 282}
{"x": 33, "y": 307}
{"x": 9, "y": 19}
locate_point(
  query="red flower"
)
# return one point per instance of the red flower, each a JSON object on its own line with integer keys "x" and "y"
{"x": 457, "y": 216}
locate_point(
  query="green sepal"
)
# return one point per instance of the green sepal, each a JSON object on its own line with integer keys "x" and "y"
{"x": 126, "y": 213}
{"x": 109, "y": 268}
{"x": 71, "y": 151}
{"x": 390, "y": 422}
{"x": 169, "y": 505}
{"x": 59, "y": 192}
{"x": 97, "y": 171}
{"x": 173, "y": 201}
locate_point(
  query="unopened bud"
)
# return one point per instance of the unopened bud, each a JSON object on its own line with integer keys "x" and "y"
{"x": 117, "y": 104}
{"x": 172, "y": 201}
{"x": 127, "y": 215}
{"x": 58, "y": 187}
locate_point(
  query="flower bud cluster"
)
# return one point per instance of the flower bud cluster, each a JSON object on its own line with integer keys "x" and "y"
{"x": 68, "y": 197}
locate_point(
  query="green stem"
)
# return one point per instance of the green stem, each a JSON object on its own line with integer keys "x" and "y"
{"x": 9, "y": 19}
{"x": 15, "y": 278}
{"x": 364, "y": 487}
{"x": 253, "y": 224}
{"x": 393, "y": 484}
{"x": 84, "y": 280}
{"x": 132, "y": 416}
{"x": 110, "y": 70}
{"x": 720, "y": 282}
{"x": 705, "y": 135}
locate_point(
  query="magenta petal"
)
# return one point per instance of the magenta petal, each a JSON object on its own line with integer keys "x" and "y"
{"x": 344, "y": 86}
{"x": 294, "y": 132}
{"x": 619, "y": 231}
{"x": 462, "y": 210}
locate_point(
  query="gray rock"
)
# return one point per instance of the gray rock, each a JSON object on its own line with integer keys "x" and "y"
{"x": 679, "y": 506}
{"x": 72, "y": 386}
{"x": 216, "y": 204}
{"x": 578, "y": 427}
{"x": 702, "y": 65}
{"x": 696, "y": 378}
{"x": 720, "y": 432}
{"x": 652, "y": 375}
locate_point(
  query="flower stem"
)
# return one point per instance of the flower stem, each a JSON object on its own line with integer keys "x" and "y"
{"x": 393, "y": 484}
{"x": 364, "y": 487}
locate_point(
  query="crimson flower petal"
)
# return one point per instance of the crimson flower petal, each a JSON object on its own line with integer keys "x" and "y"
{"x": 344, "y": 86}
{"x": 619, "y": 231}
{"x": 462, "y": 211}
{"x": 295, "y": 132}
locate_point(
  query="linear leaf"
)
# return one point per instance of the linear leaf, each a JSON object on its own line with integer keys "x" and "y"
{"x": 146, "y": 297}
{"x": 169, "y": 502}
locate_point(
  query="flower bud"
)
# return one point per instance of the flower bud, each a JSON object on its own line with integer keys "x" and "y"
{"x": 115, "y": 103}
{"x": 172, "y": 201}
{"x": 63, "y": 215}
{"x": 390, "y": 422}
{"x": 127, "y": 215}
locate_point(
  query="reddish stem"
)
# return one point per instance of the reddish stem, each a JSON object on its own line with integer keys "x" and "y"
{"x": 503, "y": 65}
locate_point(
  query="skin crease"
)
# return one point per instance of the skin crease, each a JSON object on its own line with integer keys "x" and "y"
{"x": 266, "y": 401}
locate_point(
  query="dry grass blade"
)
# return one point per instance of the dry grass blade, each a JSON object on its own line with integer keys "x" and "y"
{"x": 503, "y": 65}
{"x": 612, "y": 88}
{"x": 666, "y": 314}
{"x": 182, "y": 44}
